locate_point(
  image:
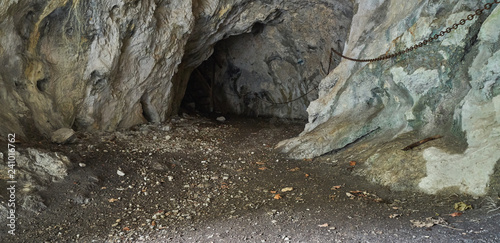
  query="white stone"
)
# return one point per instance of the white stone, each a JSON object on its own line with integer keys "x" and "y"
{"x": 120, "y": 173}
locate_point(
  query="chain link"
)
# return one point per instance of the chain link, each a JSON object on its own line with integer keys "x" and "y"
{"x": 427, "y": 40}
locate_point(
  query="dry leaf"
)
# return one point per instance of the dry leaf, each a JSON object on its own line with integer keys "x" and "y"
{"x": 263, "y": 168}
{"x": 352, "y": 163}
{"x": 273, "y": 192}
{"x": 294, "y": 169}
{"x": 112, "y": 200}
{"x": 153, "y": 223}
{"x": 260, "y": 163}
{"x": 461, "y": 206}
{"x": 323, "y": 225}
{"x": 126, "y": 229}
{"x": 332, "y": 197}
{"x": 392, "y": 216}
{"x": 224, "y": 186}
{"x": 428, "y": 222}
{"x": 455, "y": 214}
{"x": 336, "y": 187}
{"x": 287, "y": 189}
{"x": 277, "y": 196}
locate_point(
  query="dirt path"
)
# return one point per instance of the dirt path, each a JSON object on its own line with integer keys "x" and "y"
{"x": 199, "y": 180}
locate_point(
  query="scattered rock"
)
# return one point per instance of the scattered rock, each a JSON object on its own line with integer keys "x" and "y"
{"x": 120, "y": 173}
{"x": 221, "y": 119}
{"x": 63, "y": 136}
{"x": 43, "y": 166}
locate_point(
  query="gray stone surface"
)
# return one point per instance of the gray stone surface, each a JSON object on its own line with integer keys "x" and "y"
{"x": 449, "y": 88}
{"x": 63, "y": 135}
{"x": 37, "y": 167}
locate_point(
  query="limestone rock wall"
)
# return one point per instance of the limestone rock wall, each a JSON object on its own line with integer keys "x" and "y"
{"x": 103, "y": 65}
{"x": 93, "y": 65}
{"x": 448, "y": 88}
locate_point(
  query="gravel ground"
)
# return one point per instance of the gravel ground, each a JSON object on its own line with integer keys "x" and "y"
{"x": 196, "y": 179}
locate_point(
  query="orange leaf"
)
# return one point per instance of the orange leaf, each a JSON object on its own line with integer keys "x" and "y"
{"x": 306, "y": 175}
{"x": 277, "y": 196}
{"x": 153, "y": 223}
{"x": 455, "y": 214}
{"x": 352, "y": 163}
{"x": 112, "y": 200}
{"x": 260, "y": 163}
{"x": 336, "y": 187}
{"x": 263, "y": 168}
{"x": 273, "y": 192}
{"x": 294, "y": 169}
{"x": 126, "y": 229}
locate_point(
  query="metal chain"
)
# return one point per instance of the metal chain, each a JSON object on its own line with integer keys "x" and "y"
{"x": 427, "y": 40}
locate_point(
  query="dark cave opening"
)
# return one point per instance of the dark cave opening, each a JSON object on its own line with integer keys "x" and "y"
{"x": 243, "y": 77}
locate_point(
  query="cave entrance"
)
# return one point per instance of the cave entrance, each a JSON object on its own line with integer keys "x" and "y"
{"x": 246, "y": 76}
{"x": 273, "y": 70}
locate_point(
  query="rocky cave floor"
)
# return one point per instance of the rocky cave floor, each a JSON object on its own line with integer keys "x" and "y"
{"x": 195, "y": 179}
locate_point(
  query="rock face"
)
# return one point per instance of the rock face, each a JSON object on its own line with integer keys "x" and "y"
{"x": 449, "y": 87}
{"x": 35, "y": 170}
{"x": 103, "y": 65}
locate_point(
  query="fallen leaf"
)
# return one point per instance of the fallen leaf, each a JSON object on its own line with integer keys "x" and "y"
{"x": 323, "y": 225}
{"x": 263, "y": 168}
{"x": 277, "y": 196}
{"x": 428, "y": 222}
{"x": 352, "y": 163}
{"x": 392, "y": 216}
{"x": 273, "y": 192}
{"x": 112, "y": 200}
{"x": 461, "y": 206}
{"x": 126, "y": 229}
{"x": 308, "y": 160}
{"x": 306, "y": 175}
{"x": 455, "y": 214}
{"x": 294, "y": 169}
{"x": 332, "y": 197}
{"x": 260, "y": 163}
{"x": 287, "y": 189}
{"x": 153, "y": 223}
{"x": 336, "y": 187}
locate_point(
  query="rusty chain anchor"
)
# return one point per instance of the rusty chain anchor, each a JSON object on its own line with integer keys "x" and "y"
{"x": 427, "y": 40}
